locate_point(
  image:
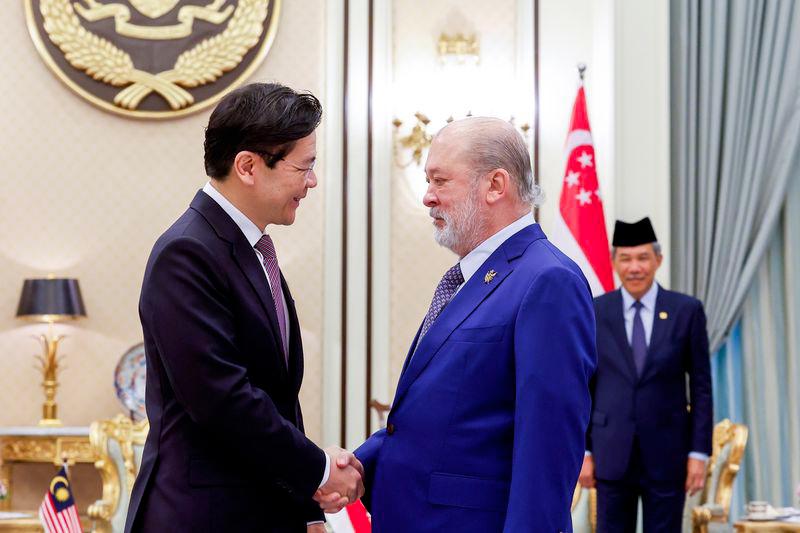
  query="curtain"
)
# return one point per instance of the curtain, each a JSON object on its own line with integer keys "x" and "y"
{"x": 757, "y": 370}
{"x": 735, "y": 141}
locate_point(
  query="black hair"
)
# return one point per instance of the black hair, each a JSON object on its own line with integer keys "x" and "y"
{"x": 266, "y": 118}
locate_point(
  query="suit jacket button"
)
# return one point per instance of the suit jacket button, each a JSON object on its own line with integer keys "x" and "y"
{"x": 390, "y": 428}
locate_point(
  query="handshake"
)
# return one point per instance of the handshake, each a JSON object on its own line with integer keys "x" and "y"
{"x": 345, "y": 483}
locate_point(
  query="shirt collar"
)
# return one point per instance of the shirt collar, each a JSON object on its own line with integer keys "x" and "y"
{"x": 471, "y": 262}
{"x": 250, "y": 230}
{"x": 648, "y": 300}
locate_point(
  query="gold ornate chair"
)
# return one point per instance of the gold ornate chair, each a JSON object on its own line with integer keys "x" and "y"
{"x": 726, "y": 456}
{"x": 118, "y": 443}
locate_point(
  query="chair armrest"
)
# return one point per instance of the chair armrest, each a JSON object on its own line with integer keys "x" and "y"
{"x": 702, "y": 515}
{"x": 100, "y": 510}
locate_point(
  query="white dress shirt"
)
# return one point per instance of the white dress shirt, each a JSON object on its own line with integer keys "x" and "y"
{"x": 471, "y": 262}
{"x": 252, "y": 233}
{"x": 647, "y": 312}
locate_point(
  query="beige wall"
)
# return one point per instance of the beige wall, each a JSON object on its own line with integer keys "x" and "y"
{"x": 86, "y": 193}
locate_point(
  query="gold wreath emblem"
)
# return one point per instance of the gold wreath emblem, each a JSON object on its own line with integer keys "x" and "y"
{"x": 103, "y": 61}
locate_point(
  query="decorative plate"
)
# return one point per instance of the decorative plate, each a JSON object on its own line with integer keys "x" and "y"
{"x": 129, "y": 381}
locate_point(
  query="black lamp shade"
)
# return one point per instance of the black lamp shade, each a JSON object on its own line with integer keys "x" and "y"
{"x": 51, "y": 299}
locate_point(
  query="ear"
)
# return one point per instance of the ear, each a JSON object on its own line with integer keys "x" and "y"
{"x": 499, "y": 184}
{"x": 244, "y": 166}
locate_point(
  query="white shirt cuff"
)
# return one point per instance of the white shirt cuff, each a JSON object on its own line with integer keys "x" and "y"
{"x": 698, "y": 455}
{"x": 315, "y": 522}
{"x": 327, "y": 472}
{"x": 587, "y": 453}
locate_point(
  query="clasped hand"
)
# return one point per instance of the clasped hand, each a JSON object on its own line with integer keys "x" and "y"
{"x": 345, "y": 483}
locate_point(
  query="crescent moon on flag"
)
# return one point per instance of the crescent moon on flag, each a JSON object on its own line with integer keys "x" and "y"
{"x": 56, "y": 480}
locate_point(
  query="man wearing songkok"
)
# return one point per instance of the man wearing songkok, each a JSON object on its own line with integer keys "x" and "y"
{"x": 647, "y": 438}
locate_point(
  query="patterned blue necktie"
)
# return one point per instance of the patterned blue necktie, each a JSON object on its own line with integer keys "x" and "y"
{"x": 444, "y": 293}
{"x": 638, "y": 339}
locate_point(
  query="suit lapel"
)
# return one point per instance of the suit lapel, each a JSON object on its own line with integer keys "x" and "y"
{"x": 245, "y": 258}
{"x": 411, "y": 350}
{"x": 295, "y": 339}
{"x": 660, "y": 328}
{"x": 616, "y": 321}
{"x": 474, "y": 291}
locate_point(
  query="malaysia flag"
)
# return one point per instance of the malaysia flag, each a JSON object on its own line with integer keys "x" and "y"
{"x": 57, "y": 512}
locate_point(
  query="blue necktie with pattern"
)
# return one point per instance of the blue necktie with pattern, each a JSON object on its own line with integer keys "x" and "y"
{"x": 638, "y": 339}
{"x": 444, "y": 293}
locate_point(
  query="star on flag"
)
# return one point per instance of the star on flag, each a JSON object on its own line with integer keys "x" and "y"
{"x": 572, "y": 178}
{"x": 585, "y": 160}
{"x": 584, "y": 197}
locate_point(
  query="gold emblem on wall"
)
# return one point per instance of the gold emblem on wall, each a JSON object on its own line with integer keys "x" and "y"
{"x": 152, "y": 58}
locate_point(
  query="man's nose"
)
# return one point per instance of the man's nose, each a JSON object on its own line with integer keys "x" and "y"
{"x": 430, "y": 200}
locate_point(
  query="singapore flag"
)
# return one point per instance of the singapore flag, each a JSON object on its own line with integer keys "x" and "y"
{"x": 580, "y": 227}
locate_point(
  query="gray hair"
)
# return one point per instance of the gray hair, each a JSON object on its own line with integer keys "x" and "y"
{"x": 495, "y": 143}
{"x": 656, "y": 249}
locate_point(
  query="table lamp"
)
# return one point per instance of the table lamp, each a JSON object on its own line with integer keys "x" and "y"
{"x": 50, "y": 300}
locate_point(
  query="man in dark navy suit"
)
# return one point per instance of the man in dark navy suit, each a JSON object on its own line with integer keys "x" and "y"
{"x": 226, "y": 449}
{"x": 647, "y": 438}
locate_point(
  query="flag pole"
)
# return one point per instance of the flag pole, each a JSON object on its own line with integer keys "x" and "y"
{"x": 581, "y": 70}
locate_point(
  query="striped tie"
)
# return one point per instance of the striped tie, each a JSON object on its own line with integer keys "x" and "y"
{"x": 267, "y": 249}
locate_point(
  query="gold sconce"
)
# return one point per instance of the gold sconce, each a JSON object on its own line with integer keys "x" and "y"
{"x": 458, "y": 55}
{"x": 459, "y": 49}
{"x": 417, "y": 141}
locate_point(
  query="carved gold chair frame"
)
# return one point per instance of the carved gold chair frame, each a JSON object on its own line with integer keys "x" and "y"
{"x": 718, "y": 505}
{"x": 127, "y": 433}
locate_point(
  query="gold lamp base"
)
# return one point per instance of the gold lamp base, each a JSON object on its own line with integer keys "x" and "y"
{"x": 49, "y": 363}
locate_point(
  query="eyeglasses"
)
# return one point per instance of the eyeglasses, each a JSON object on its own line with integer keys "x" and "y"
{"x": 270, "y": 160}
{"x": 306, "y": 171}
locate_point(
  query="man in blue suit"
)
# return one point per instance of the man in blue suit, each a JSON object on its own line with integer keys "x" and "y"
{"x": 647, "y": 438}
{"x": 486, "y": 431}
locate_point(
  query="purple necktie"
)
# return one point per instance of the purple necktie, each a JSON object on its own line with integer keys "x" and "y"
{"x": 444, "y": 293}
{"x": 267, "y": 249}
{"x": 638, "y": 339}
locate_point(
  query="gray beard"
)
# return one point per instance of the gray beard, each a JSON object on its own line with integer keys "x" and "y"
{"x": 462, "y": 228}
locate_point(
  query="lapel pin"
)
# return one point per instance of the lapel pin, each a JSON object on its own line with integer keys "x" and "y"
{"x": 489, "y": 276}
{"x": 663, "y": 315}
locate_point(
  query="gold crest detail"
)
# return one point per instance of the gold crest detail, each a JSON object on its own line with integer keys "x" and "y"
{"x": 154, "y": 8}
{"x": 173, "y": 67}
{"x": 663, "y": 315}
{"x": 489, "y": 276}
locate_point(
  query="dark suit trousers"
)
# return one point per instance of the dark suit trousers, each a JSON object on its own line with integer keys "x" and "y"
{"x": 618, "y": 500}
